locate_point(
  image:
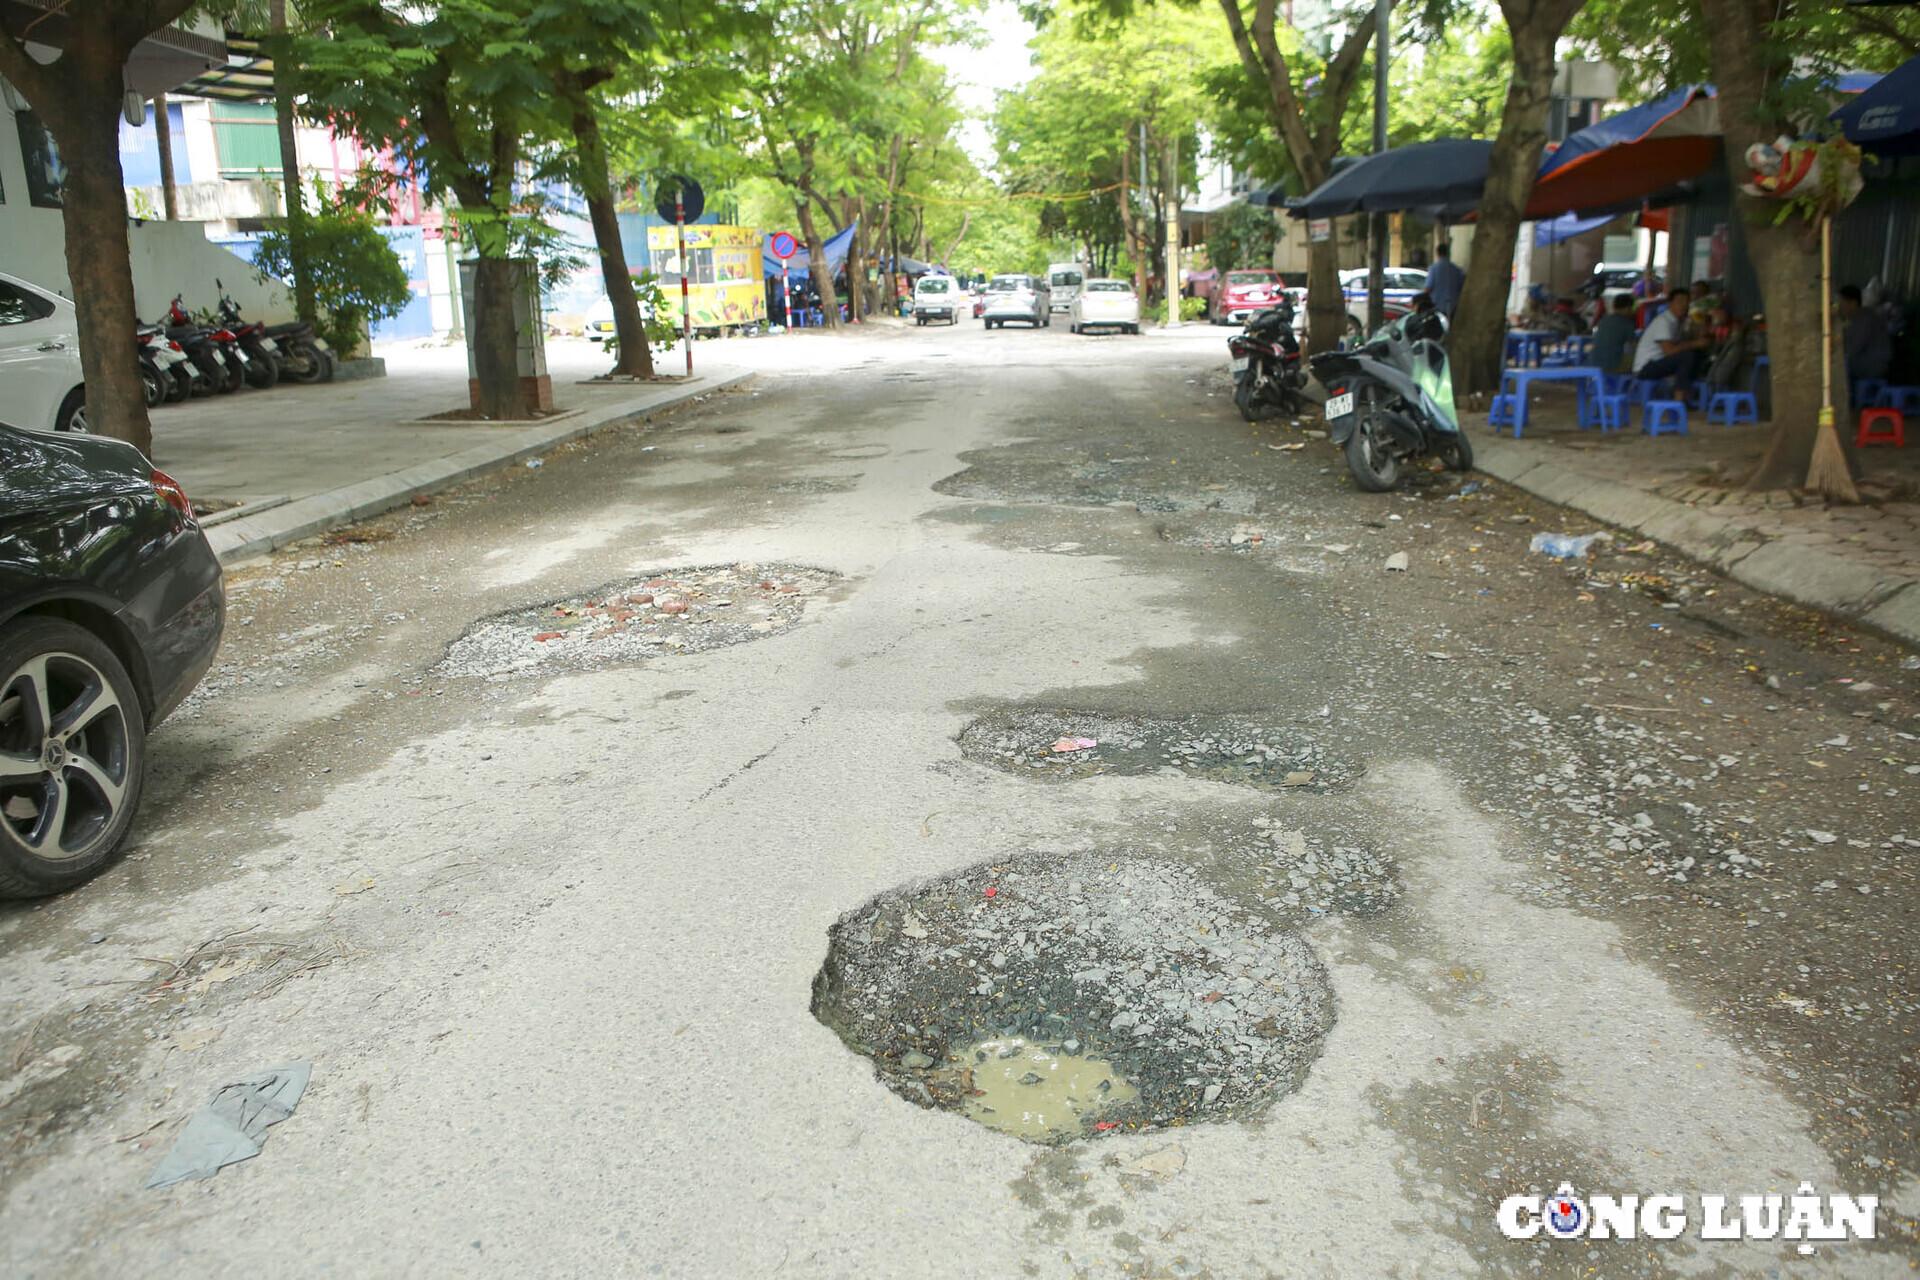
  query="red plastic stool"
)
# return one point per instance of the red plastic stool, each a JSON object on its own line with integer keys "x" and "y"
{"x": 1881, "y": 426}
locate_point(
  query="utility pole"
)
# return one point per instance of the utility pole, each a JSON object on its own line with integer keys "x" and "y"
{"x": 1377, "y": 251}
{"x": 1147, "y": 256}
{"x": 163, "y": 136}
{"x": 1173, "y": 231}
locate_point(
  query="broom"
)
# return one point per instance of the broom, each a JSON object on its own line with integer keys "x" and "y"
{"x": 1827, "y": 473}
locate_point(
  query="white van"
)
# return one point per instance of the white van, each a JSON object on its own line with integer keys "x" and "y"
{"x": 938, "y": 298}
{"x": 1066, "y": 279}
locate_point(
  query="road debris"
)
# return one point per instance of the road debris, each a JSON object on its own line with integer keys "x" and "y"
{"x": 231, "y": 1125}
{"x": 1565, "y": 546}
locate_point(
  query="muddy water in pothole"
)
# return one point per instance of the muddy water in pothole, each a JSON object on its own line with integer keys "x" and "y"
{"x": 1204, "y": 1007}
{"x": 1038, "y": 1091}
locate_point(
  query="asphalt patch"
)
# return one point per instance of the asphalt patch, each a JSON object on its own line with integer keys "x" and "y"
{"x": 673, "y": 612}
{"x": 1060, "y": 745}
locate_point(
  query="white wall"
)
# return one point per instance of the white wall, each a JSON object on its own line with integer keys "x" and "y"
{"x": 167, "y": 257}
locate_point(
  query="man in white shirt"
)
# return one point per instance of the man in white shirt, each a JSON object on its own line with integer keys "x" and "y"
{"x": 1665, "y": 351}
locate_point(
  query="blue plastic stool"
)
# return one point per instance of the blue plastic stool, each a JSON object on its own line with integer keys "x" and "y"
{"x": 1613, "y": 411}
{"x": 1702, "y": 396}
{"x": 1905, "y": 399}
{"x": 1641, "y": 390}
{"x": 1761, "y": 364}
{"x": 1865, "y": 392}
{"x": 1665, "y": 417}
{"x": 1614, "y": 384}
{"x": 1731, "y": 407}
{"x": 1504, "y": 411}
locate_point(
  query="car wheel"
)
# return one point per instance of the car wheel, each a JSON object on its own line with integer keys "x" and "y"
{"x": 73, "y": 412}
{"x": 72, "y": 755}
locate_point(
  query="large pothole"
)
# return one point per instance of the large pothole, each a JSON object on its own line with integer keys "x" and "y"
{"x": 683, "y": 611}
{"x": 1053, "y": 997}
{"x": 1057, "y": 745}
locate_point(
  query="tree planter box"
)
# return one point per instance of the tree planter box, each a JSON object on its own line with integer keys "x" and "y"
{"x": 359, "y": 367}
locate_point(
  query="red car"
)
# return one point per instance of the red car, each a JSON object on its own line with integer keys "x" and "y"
{"x": 1244, "y": 292}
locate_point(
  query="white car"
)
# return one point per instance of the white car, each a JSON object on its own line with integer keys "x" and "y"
{"x": 41, "y": 387}
{"x": 600, "y": 326}
{"x": 938, "y": 298}
{"x": 1105, "y": 304}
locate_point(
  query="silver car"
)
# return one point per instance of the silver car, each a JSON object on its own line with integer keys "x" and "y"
{"x": 1018, "y": 297}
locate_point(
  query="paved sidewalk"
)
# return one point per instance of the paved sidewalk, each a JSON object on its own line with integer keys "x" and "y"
{"x": 1860, "y": 563}
{"x": 294, "y": 461}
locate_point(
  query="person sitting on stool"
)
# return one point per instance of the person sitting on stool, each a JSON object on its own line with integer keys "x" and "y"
{"x": 1665, "y": 351}
{"x": 1868, "y": 347}
{"x": 1613, "y": 336}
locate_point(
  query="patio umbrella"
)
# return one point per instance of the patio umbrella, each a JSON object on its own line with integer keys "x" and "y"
{"x": 1630, "y": 156}
{"x": 1885, "y": 118}
{"x": 1440, "y": 178}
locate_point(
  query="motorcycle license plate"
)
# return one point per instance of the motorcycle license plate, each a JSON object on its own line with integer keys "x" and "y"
{"x": 1339, "y": 406}
{"x": 1239, "y": 364}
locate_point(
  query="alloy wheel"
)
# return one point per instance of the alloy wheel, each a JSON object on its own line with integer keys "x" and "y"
{"x": 65, "y": 755}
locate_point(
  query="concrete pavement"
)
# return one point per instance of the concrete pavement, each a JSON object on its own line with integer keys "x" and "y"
{"x": 298, "y": 460}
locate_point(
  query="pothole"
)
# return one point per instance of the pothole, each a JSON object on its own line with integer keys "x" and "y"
{"x": 1057, "y": 745}
{"x": 684, "y": 611}
{"x": 1054, "y": 997}
{"x": 818, "y": 484}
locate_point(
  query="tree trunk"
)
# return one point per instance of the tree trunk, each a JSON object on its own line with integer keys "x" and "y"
{"x": 93, "y": 199}
{"x": 1786, "y": 258}
{"x": 636, "y": 353}
{"x": 817, "y": 269}
{"x": 285, "y": 70}
{"x": 163, "y": 139}
{"x": 496, "y": 361}
{"x": 1789, "y": 278}
{"x": 1476, "y": 344}
{"x": 1326, "y": 304}
{"x": 856, "y": 277}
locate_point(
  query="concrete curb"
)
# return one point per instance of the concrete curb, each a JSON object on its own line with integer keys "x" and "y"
{"x": 1889, "y": 602}
{"x": 316, "y": 513}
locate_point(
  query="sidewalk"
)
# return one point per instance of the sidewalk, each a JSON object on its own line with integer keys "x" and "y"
{"x": 285, "y": 464}
{"x": 1861, "y": 563}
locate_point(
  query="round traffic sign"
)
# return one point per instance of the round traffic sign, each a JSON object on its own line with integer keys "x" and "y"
{"x": 677, "y": 186}
{"x": 782, "y": 245}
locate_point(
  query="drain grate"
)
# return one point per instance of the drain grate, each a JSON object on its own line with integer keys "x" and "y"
{"x": 1130, "y": 993}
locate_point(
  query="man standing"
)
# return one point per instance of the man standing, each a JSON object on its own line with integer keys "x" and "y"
{"x": 1444, "y": 280}
{"x": 1868, "y": 346}
{"x": 1665, "y": 351}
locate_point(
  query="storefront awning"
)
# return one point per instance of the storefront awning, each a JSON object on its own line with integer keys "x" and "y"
{"x": 1885, "y": 118}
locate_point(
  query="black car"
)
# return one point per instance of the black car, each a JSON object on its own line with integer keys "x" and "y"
{"x": 111, "y": 608}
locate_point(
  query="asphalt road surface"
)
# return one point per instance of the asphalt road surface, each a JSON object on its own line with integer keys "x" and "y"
{"x": 1413, "y": 890}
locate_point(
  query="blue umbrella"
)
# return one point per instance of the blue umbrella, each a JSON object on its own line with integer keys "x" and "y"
{"x": 1885, "y": 118}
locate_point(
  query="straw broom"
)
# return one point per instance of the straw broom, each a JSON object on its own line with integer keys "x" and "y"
{"x": 1827, "y": 473}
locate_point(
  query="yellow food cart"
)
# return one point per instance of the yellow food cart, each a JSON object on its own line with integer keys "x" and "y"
{"x": 725, "y": 283}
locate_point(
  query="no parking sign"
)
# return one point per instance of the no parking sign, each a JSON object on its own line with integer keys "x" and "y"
{"x": 782, "y": 245}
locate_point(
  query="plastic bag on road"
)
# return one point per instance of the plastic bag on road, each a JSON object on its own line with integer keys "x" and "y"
{"x": 1565, "y": 546}
{"x": 231, "y": 1126}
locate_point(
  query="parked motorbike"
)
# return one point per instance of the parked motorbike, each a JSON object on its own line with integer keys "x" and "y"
{"x": 1267, "y": 370}
{"x": 263, "y": 353}
{"x": 215, "y": 351}
{"x": 300, "y": 354}
{"x": 165, "y": 371}
{"x": 1390, "y": 402}
{"x": 1545, "y": 311}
